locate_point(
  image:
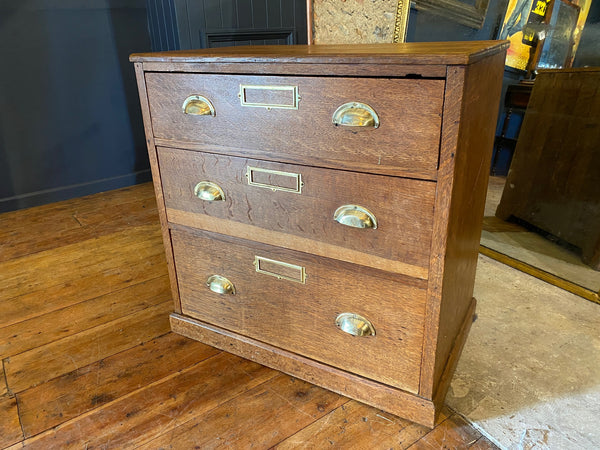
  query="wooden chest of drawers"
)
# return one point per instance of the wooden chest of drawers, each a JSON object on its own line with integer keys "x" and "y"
{"x": 321, "y": 206}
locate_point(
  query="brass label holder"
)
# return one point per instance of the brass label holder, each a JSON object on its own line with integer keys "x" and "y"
{"x": 296, "y": 177}
{"x": 290, "y": 272}
{"x": 245, "y": 88}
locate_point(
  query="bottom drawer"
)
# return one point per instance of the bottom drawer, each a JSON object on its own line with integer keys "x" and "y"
{"x": 292, "y": 300}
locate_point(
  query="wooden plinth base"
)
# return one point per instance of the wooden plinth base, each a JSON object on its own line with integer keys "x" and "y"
{"x": 395, "y": 401}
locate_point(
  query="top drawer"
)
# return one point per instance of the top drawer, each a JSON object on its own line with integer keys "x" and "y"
{"x": 289, "y": 119}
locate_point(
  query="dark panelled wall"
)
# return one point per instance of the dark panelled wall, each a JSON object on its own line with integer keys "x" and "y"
{"x": 187, "y": 24}
{"x": 163, "y": 23}
{"x": 70, "y": 122}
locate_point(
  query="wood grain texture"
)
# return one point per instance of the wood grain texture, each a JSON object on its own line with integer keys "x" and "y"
{"x": 141, "y": 83}
{"x": 144, "y": 390}
{"x": 74, "y": 393}
{"x": 414, "y": 141}
{"x": 280, "y": 239}
{"x": 122, "y": 275}
{"x": 417, "y": 53}
{"x": 555, "y": 173}
{"x": 483, "y": 443}
{"x": 449, "y": 142}
{"x": 452, "y": 359}
{"x": 409, "y": 113}
{"x": 70, "y": 353}
{"x": 283, "y": 313}
{"x": 35, "y": 332}
{"x": 356, "y": 425}
{"x": 473, "y": 154}
{"x": 452, "y": 433}
{"x": 403, "y": 208}
{"x": 157, "y": 408}
{"x": 77, "y": 272}
{"x": 55, "y": 225}
{"x": 389, "y": 399}
{"x": 385, "y": 70}
{"x": 10, "y": 427}
{"x": 3, "y": 384}
{"x": 257, "y": 418}
{"x": 472, "y": 96}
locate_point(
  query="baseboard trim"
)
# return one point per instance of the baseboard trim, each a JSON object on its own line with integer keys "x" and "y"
{"x": 392, "y": 400}
{"x": 46, "y": 196}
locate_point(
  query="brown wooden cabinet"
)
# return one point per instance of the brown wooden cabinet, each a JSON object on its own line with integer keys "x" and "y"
{"x": 554, "y": 179}
{"x": 322, "y": 206}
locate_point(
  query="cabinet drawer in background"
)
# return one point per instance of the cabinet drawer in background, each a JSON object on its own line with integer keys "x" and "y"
{"x": 290, "y": 119}
{"x": 293, "y": 300}
{"x": 294, "y": 207}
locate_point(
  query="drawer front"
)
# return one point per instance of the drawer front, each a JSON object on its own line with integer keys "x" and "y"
{"x": 300, "y": 203}
{"x": 302, "y": 130}
{"x": 292, "y": 300}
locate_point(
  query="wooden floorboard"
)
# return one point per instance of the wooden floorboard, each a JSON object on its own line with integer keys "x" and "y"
{"x": 150, "y": 411}
{"x": 55, "y": 225}
{"x": 52, "y": 268}
{"x": 3, "y": 383}
{"x": 88, "y": 360}
{"x": 80, "y": 391}
{"x": 258, "y": 418}
{"x": 483, "y": 443}
{"x": 49, "y": 361}
{"x": 10, "y": 428}
{"x": 125, "y": 273}
{"x": 41, "y": 330}
{"x": 355, "y": 425}
{"x": 452, "y": 433}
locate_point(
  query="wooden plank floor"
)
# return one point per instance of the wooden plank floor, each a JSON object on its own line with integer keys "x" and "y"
{"x": 88, "y": 360}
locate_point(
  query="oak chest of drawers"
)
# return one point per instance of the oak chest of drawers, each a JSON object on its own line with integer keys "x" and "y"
{"x": 321, "y": 206}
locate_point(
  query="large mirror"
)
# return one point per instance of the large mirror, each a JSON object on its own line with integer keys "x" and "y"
{"x": 543, "y": 207}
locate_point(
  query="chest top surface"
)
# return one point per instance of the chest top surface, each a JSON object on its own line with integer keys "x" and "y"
{"x": 426, "y": 53}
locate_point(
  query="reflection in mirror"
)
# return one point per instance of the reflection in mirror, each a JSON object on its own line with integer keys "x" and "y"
{"x": 543, "y": 208}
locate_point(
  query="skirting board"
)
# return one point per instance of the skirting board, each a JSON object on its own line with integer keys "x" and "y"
{"x": 61, "y": 193}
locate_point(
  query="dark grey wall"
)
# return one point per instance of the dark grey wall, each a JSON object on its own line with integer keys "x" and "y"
{"x": 70, "y": 122}
{"x": 187, "y": 24}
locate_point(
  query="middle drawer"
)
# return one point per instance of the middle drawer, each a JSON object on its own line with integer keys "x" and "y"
{"x": 373, "y": 220}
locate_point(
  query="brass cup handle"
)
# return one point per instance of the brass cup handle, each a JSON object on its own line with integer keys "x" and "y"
{"x": 209, "y": 191}
{"x": 356, "y": 115}
{"x": 198, "y": 105}
{"x": 355, "y": 324}
{"x": 355, "y": 216}
{"x": 220, "y": 285}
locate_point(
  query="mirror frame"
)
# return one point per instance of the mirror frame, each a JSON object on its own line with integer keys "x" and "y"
{"x": 457, "y": 11}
